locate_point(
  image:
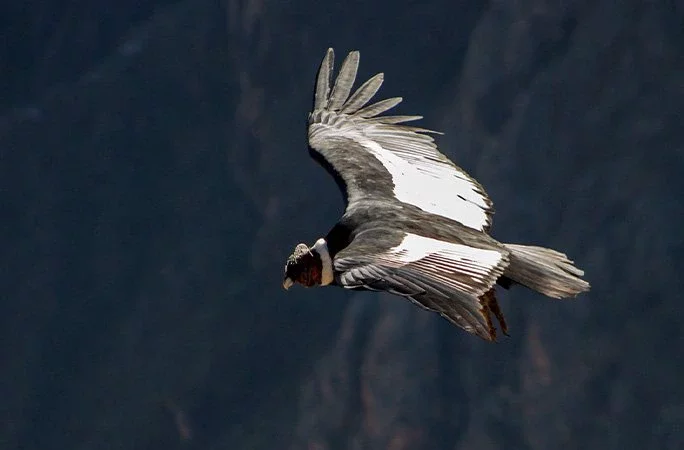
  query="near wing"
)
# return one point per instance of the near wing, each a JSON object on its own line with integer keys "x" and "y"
{"x": 358, "y": 146}
{"x": 452, "y": 279}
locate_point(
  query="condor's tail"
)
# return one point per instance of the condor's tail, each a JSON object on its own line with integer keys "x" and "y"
{"x": 544, "y": 270}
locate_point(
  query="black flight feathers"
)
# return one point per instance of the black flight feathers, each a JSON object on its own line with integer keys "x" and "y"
{"x": 337, "y": 98}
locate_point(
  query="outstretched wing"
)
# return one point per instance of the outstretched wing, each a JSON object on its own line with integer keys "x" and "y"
{"x": 376, "y": 157}
{"x": 451, "y": 279}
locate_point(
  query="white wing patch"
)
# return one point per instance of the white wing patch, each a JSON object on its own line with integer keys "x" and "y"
{"x": 442, "y": 259}
{"x": 431, "y": 185}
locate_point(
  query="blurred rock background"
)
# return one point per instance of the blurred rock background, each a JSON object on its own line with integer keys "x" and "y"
{"x": 154, "y": 178}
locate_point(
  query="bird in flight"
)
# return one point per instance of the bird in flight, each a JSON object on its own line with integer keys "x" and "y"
{"x": 415, "y": 225}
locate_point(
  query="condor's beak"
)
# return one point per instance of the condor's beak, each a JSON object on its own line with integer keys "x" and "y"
{"x": 287, "y": 283}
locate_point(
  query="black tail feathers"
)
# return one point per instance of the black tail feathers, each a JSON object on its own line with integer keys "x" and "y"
{"x": 544, "y": 270}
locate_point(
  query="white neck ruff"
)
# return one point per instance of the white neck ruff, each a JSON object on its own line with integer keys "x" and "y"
{"x": 321, "y": 248}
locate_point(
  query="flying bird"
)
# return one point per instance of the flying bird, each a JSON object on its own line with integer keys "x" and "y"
{"x": 415, "y": 224}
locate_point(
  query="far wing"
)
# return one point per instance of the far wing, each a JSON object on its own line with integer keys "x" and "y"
{"x": 373, "y": 156}
{"x": 451, "y": 279}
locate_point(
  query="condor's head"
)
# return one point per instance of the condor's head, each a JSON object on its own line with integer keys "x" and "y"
{"x": 309, "y": 266}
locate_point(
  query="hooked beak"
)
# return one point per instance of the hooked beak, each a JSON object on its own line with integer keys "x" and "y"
{"x": 287, "y": 283}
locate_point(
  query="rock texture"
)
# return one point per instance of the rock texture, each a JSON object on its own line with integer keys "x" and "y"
{"x": 155, "y": 176}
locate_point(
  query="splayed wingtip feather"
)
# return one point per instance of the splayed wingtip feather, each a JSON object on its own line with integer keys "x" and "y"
{"x": 363, "y": 94}
{"x": 323, "y": 80}
{"x": 344, "y": 81}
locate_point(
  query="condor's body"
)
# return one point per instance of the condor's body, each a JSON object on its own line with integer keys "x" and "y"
{"x": 415, "y": 224}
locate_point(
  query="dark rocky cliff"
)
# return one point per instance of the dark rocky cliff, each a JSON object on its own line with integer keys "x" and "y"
{"x": 155, "y": 177}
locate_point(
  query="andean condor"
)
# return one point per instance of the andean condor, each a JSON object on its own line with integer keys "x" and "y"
{"x": 415, "y": 224}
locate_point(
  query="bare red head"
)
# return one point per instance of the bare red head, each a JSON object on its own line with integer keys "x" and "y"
{"x": 309, "y": 266}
